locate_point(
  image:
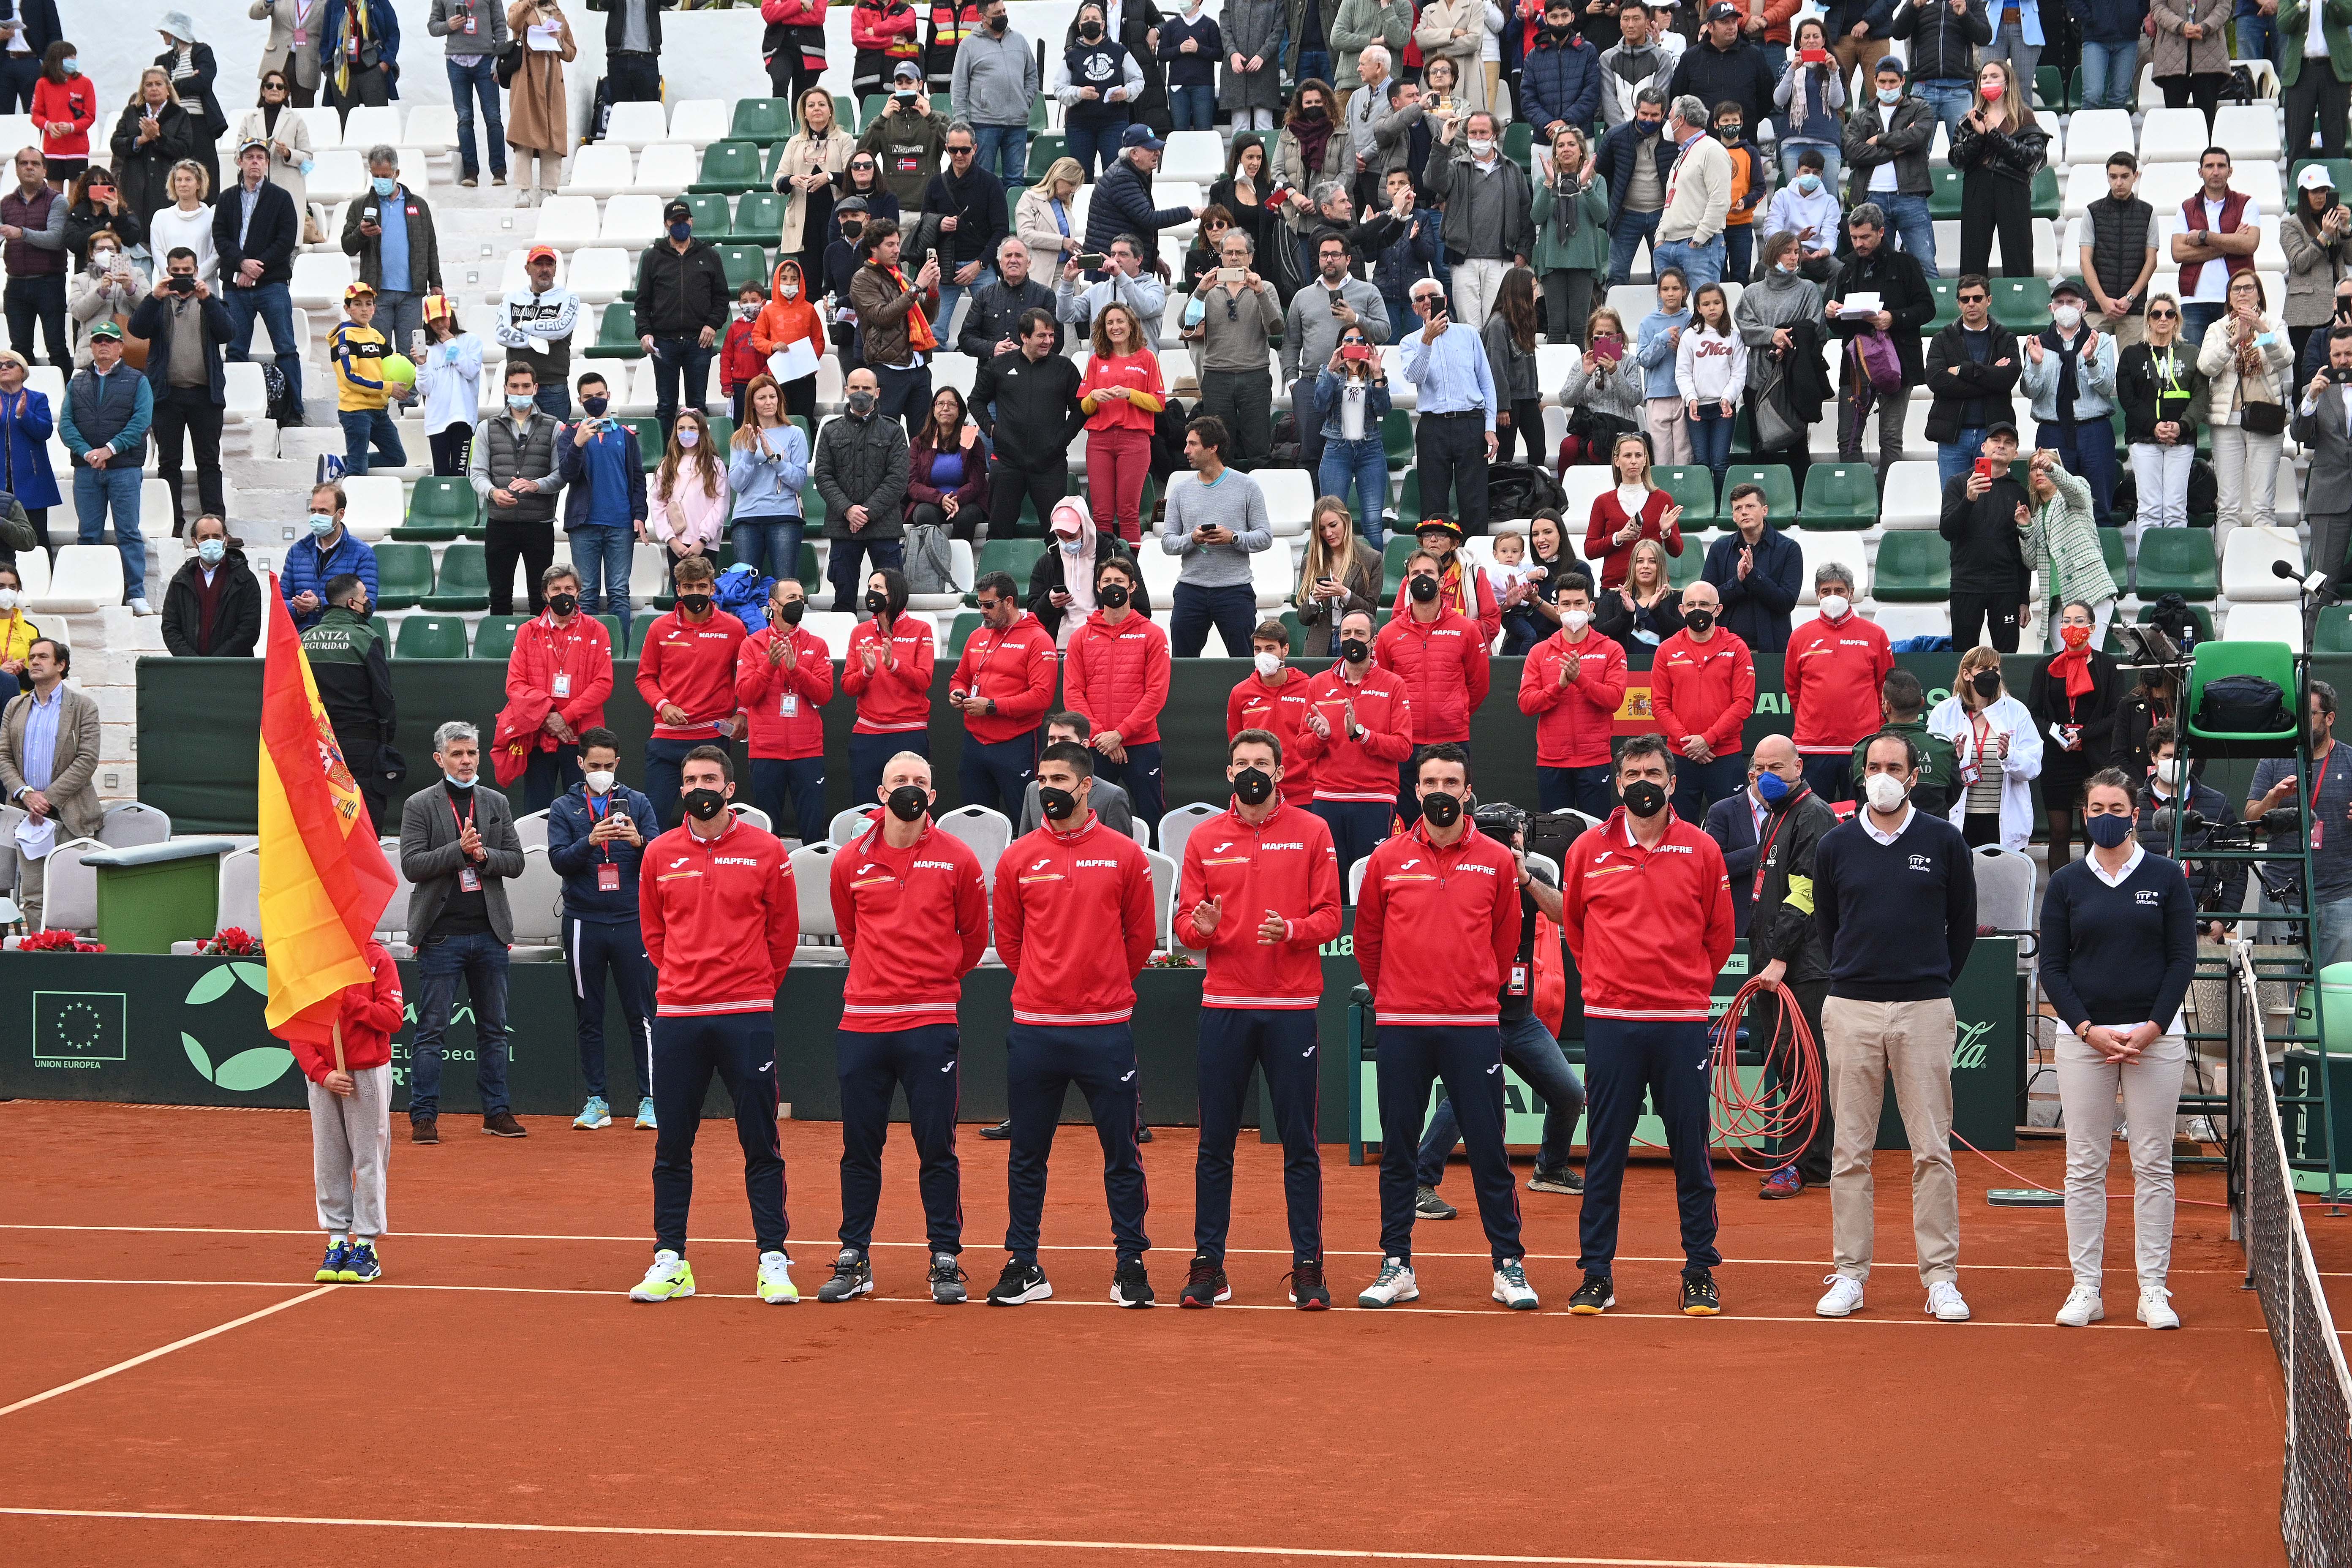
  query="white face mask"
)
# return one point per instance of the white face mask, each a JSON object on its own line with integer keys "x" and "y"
{"x": 7, "y": 600}
{"x": 321, "y": 524}
{"x": 1886, "y": 792}
{"x": 689, "y": 438}
{"x": 2068, "y": 317}
{"x": 1835, "y": 606}
{"x": 2172, "y": 771}
{"x": 99, "y": 260}
{"x": 599, "y": 783}
{"x": 1269, "y": 663}
{"x": 1482, "y": 148}
{"x": 1575, "y": 620}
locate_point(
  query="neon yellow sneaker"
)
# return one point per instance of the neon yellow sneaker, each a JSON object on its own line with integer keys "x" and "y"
{"x": 776, "y": 1287}
{"x": 669, "y": 1277}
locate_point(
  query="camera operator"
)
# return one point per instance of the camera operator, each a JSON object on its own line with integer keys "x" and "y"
{"x": 2275, "y": 785}
{"x": 2218, "y": 887}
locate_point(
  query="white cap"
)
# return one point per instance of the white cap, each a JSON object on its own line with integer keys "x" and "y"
{"x": 2314, "y": 178}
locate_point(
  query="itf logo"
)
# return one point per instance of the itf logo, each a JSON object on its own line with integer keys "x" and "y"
{"x": 78, "y": 1029}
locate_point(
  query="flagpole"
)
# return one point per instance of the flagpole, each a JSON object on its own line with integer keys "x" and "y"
{"x": 339, "y": 1037}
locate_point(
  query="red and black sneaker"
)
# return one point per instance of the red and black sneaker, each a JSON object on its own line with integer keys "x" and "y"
{"x": 1784, "y": 1183}
{"x": 1307, "y": 1291}
{"x": 1207, "y": 1286}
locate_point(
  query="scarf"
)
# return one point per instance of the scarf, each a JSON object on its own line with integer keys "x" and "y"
{"x": 2069, "y": 388}
{"x": 1567, "y": 205}
{"x": 355, "y": 26}
{"x": 2074, "y": 664}
{"x": 1314, "y": 136}
{"x": 919, "y": 326}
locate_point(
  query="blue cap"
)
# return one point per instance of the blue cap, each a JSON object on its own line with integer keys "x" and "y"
{"x": 1141, "y": 135}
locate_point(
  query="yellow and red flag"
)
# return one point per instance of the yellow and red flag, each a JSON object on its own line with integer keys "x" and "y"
{"x": 324, "y": 879}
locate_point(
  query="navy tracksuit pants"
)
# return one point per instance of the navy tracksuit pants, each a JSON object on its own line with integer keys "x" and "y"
{"x": 593, "y": 947}
{"x": 790, "y": 790}
{"x": 1670, "y": 1064}
{"x": 1280, "y": 1042}
{"x": 996, "y": 776}
{"x": 740, "y": 1047}
{"x": 1358, "y": 827}
{"x": 1412, "y": 1058}
{"x": 870, "y": 754}
{"x": 872, "y": 1067}
{"x": 1040, "y": 1065}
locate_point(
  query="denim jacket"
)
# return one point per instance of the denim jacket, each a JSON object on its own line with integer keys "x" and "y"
{"x": 1327, "y": 398}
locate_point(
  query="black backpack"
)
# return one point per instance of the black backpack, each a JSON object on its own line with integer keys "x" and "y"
{"x": 2243, "y": 705}
{"x": 1521, "y": 490}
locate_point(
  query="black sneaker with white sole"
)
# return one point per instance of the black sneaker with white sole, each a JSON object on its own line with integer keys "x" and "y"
{"x": 1427, "y": 1205}
{"x": 1021, "y": 1282}
{"x": 1595, "y": 1296}
{"x": 1132, "y": 1286}
{"x": 853, "y": 1275}
{"x": 946, "y": 1279}
{"x": 1207, "y": 1286}
{"x": 1560, "y": 1181}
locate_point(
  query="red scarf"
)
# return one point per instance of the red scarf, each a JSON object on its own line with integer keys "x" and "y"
{"x": 919, "y": 337}
{"x": 2074, "y": 664}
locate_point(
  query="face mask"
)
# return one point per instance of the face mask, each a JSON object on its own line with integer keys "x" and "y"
{"x": 596, "y": 407}
{"x": 877, "y": 604}
{"x": 1890, "y": 96}
{"x": 1440, "y": 809}
{"x": 704, "y": 805}
{"x": 1727, "y": 132}
{"x": 1809, "y": 183}
{"x": 1069, "y": 547}
{"x": 2109, "y": 829}
{"x": 210, "y": 551}
{"x": 861, "y": 402}
{"x": 850, "y": 231}
{"x": 1644, "y": 799}
{"x": 599, "y": 781}
{"x": 455, "y": 782}
{"x": 321, "y": 524}
{"x": 1482, "y": 148}
{"x": 1771, "y": 788}
{"x": 1058, "y": 805}
{"x": 908, "y": 803}
{"x": 1355, "y": 650}
{"x": 1425, "y": 589}
{"x": 1090, "y": 31}
{"x": 1986, "y": 683}
{"x": 520, "y": 402}
{"x": 1195, "y": 311}
{"x": 1112, "y": 595}
{"x": 385, "y": 184}
{"x": 2068, "y": 317}
{"x": 2074, "y": 636}
{"x": 997, "y": 24}
{"x": 1700, "y": 621}
{"x": 1992, "y": 92}
{"x": 7, "y": 599}
{"x": 747, "y": 312}
{"x": 71, "y": 64}
{"x": 2172, "y": 771}
{"x": 791, "y": 613}
{"x": 1267, "y": 663}
{"x": 792, "y": 290}
{"x": 1789, "y": 268}
{"x": 694, "y": 603}
{"x": 1885, "y": 791}
{"x": 363, "y": 609}
{"x": 1254, "y": 786}
{"x": 1651, "y": 127}
{"x": 689, "y": 439}
{"x": 1835, "y": 606}
{"x": 99, "y": 260}
{"x": 1576, "y": 620}
{"x": 562, "y": 604}
{"x": 681, "y": 232}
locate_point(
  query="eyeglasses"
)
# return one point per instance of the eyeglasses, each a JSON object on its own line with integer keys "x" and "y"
{"x": 2164, "y": 315}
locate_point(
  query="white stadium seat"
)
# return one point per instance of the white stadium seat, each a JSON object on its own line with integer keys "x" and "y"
{"x": 2281, "y": 621}
{"x": 631, "y": 222}
{"x": 2171, "y": 136}
{"x": 699, "y": 121}
{"x": 337, "y": 174}
{"x": 376, "y": 506}
{"x": 1195, "y": 156}
{"x": 637, "y": 125}
{"x": 369, "y": 127}
{"x": 85, "y": 579}
{"x": 600, "y": 169}
{"x": 833, "y": 627}
{"x": 320, "y": 279}
{"x": 1819, "y": 550}
{"x": 664, "y": 169}
{"x": 1276, "y": 576}
{"x": 431, "y": 129}
{"x": 248, "y": 397}
{"x": 812, "y": 882}
{"x": 2246, "y": 558}
{"x": 1913, "y": 497}
{"x": 2092, "y": 133}
{"x": 2251, "y": 131}
{"x": 567, "y": 223}
{"x": 602, "y": 274}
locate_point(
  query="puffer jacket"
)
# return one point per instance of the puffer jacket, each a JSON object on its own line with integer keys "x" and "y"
{"x": 1781, "y": 924}
{"x": 1118, "y": 676}
{"x": 1940, "y": 47}
{"x": 2013, "y": 155}
{"x": 1561, "y": 80}
{"x": 862, "y": 462}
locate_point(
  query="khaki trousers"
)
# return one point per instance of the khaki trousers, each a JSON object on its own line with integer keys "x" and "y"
{"x": 1911, "y": 1042}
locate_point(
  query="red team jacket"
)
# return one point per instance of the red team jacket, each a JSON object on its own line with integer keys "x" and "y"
{"x": 1363, "y": 771}
{"x": 1707, "y": 689}
{"x": 1444, "y": 664}
{"x": 693, "y": 666}
{"x": 371, "y": 1014}
{"x": 1118, "y": 677}
{"x": 1457, "y": 914}
{"x": 915, "y": 922}
{"x": 570, "y": 666}
{"x": 1013, "y": 669}
{"x": 1059, "y": 897}
{"x": 1462, "y": 588}
{"x": 1285, "y": 864}
{"x": 897, "y": 696}
{"x": 721, "y": 918}
{"x": 1573, "y": 722}
{"x": 1649, "y": 928}
{"x": 786, "y": 705}
{"x": 1281, "y": 711}
{"x": 1833, "y": 673}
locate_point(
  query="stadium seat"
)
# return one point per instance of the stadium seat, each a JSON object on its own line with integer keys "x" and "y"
{"x": 631, "y": 222}
{"x": 430, "y": 637}
{"x": 247, "y": 391}
{"x": 85, "y": 579}
{"x": 1686, "y": 569}
{"x": 600, "y": 169}
{"x": 602, "y": 274}
{"x": 1914, "y": 497}
{"x": 834, "y": 627}
{"x": 2045, "y": 194}
{"x": 1275, "y": 577}
{"x": 765, "y": 120}
{"x": 746, "y": 265}
{"x": 1693, "y": 487}
{"x": 2092, "y": 133}
{"x": 494, "y": 636}
{"x": 2212, "y": 660}
{"x": 1396, "y": 438}
{"x": 2334, "y": 632}
{"x": 440, "y": 507}
{"x": 2111, "y": 548}
{"x": 729, "y": 166}
{"x": 616, "y": 334}
{"x": 1014, "y": 557}
{"x": 987, "y": 833}
{"x": 2266, "y": 621}
{"x": 697, "y": 121}
{"x": 1780, "y": 488}
{"x": 1944, "y": 192}
{"x": 1044, "y": 152}
{"x": 1398, "y": 549}
{"x": 403, "y": 575}
{"x": 760, "y": 218}
{"x": 2174, "y": 136}
{"x": 1176, "y": 827}
{"x": 320, "y": 279}
{"x": 567, "y": 223}
{"x": 337, "y": 175}
{"x": 2177, "y": 560}
{"x": 1914, "y": 567}
{"x": 2251, "y": 131}
{"x": 636, "y": 125}
{"x": 431, "y": 129}
{"x": 1196, "y": 155}
{"x": 2020, "y": 304}
{"x": 376, "y": 506}
{"x": 1901, "y": 622}
{"x": 1838, "y": 497}
{"x": 464, "y": 583}
{"x": 960, "y": 631}
{"x": 2246, "y": 558}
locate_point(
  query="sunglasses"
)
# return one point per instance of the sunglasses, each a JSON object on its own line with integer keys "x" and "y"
{"x": 960, "y": 152}
{"x": 1974, "y": 299}
{"x": 2164, "y": 315}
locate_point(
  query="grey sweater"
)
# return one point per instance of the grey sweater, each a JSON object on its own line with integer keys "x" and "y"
{"x": 1235, "y": 502}
{"x": 1765, "y": 307}
{"x": 1239, "y": 343}
{"x": 994, "y": 79}
{"x": 447, "y": 21}
{"x": 1514, "y": 368}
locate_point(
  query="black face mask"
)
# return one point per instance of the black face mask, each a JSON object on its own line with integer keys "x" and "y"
{"x": 704, "y": 805}
{"x": 1986, "y": 682}
{"x": 1423, "y": 589}
{"x": 1700, "y": 621}
{"x": 1112, "y": 595}
{"x": 562, "y": 604}
{"x": 997, "y": 24}
{"x": 908, "y": 803}
{"x": 1058, "y": 805}
{"x": 1090, "y": 31}
{"x": 1440, "y": 809}
{"x": 1254, "y": 786}
{"x": 694, "y": 603}
{"x": 1645, "y": 799}
{"x": 363, "y": 611}
{"x": 877, "y": 604}
{"x": 1355, "y": 650}
{"x": 792, "y": 611}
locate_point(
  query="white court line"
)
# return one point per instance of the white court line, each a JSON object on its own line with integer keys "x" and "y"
{"x": 1014, "y": 1543}
{"x": 1920, "y": 1321}
{"x": 166, "y": 1349}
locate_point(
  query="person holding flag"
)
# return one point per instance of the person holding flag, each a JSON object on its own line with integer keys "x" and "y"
{"x": 351, "y": 1120}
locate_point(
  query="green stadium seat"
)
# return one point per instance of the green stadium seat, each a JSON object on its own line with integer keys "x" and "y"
{"x": 1396, "y": 438}
{"x": 1743, "y": 431}
{"x": 966, "y": 623}
{"x": 1840, "y": 495}
{"x": 2049, "y": 88}
{"x": 722, "y": 431}
{"x": 2020, "y": 304}
{"x": 430, "y": 637}
{"x": 746, "y": 265}
{"x": 760, "y": 218}
{"x": 2045, "y": 194}
{"x": 2211, "y": 661}
{"x": 649, "y": 441}
{"x": 616, "y": 335}
{"x": 494, "y": 636}
{"x": 638, "y": 627}
{"x": 805, "y": 569}
{"x": 1914, "y": 567}
{"x": 2111, "y": 547}
{"x": 730, "y": 167}
{"x": 2178, "y": 560}
{"x": 404, "y": 574}
{"x": 761, "y": 120}
{"x": 441, "y": 507}
{"x": 2334, "y": 632}
{"x": 2339, "y": 171}
{"x": 712, "y": 214}
{"x": 1297, "y": 630}
{"x": 1520, "y": 142}
{"x": 1396, "y": 552}
{"x": 465, "y": 582}
{"x": 1686, "y": 569}
{"x": 844, "y": 111}
{"x": 1043, "y": 152}
{"x": 1943, "y": 192}
{"x": 869, "y": 109}
{"x": 1947, "y": 309}
{"x": 611, "y": 628}
{"x": 1017, "y": 556}
{"x": 1780, "y": 488}
{"x": 1036, "y": 115}
{"x": 1409, "y": 502}
{"x": 1693, "y": 487}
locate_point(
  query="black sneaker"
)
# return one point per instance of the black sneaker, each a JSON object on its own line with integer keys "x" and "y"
{"x": 1207, "y": 1286}
{"x": 1427, "y": 1205}
{"x": 853, "y": 1275}
{"x": 1594, "y": 1297}
{"x": 1560, "y": 1181}
{"x": 1019, "y": 1283}
{"x": 1143, "y": 1134}
{"x": 1307, "y": 1291}
{"x": 1699, "y": 1296}
{"x": 1132, "y": 1286}
{"x": 946, "y": 1279}
{"x": 1000, "y": 1133}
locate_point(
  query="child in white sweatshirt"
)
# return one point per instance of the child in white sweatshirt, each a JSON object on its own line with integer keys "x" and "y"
{"x": 1711, "y": 371}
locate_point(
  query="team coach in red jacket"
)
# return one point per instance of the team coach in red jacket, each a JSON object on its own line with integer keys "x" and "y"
{"x": 1002, "y": 685}
{"x": 1453, "y": 894}
{"x": 1075, "y": 923}
{"x": 1647, "y": 914}
{"x": 720, "y": 918}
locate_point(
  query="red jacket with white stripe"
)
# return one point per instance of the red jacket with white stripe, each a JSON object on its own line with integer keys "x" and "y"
{"x": 1014, "y": 669}
{"x": 371, "y": 1013}
{"x": 1118, "y": 676}
{"x": 578, "y": 658}
{"x": 721, "y": 918}
{"x": 897, "y": 695}
{"x": 763, "y": 690}
{"x": 1573, "y": 722}
{"x": 1649, "y": 928}
{"x": 1059, "y": 897}
{"x": 915, "y": 922}
{"x": 1345, "y": 768}
{"x": 693, "y": 666}
{"x": 1704, "y": 688}
{"x": 1833, "y": 673}
{"x": 1458, "y": 917}
{"x": 1284, "y": 866}
{"x": 1443, "y": 663}
{"x": 1281, "y": 711}
{"x": 1462, "y": 588}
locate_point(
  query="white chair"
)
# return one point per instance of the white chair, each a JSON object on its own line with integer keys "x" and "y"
{"x": 1555, "y": 362}
{"x": 1161, "y": 571}
{"x": 1195, "y": 156}
{"x": 812, "y": 885}
{"x": 1164, "y": 898}
{"x": 1289, "y": 500}
{"x": 988, "y": 833}
{"x": 566, "y": 223}
{"x": 1276, "y": 578}
{"x": 85, "y": 579}
{"x": 2005, "y": 890}
{"x": 2170, "y": 136}
{"x": 1913, "y": 497}
{"x": 376, "y": 506}
{"x": 128, "y": 824}
{"x": 2246, "y": 558}
{"x": 631, "y": 222}
{"x": 249, "y": 396}
{"x": 1901, "y": 621}
{"x": 240, "y": 889}
{"x": 664, "y": 169}
{"x": 1356, "y": 879}
{"x": 600, "y": 169}
{"x": 326, "y": 130}
{"x": 337, "y": 174}
{"x": 391, "y": 924}
{"x": 1819, "y": 550}
{"x": 2165, "y": 186}
{"x": 1176, "y": 827}
{"x": 370, "y": 127}
{"x": 957, "y": 370}
{"x": 2273, "y": 621}
{"x": 320, "y": 279}
{"x": 2092, "y": 133}
{"x": 530, "y": 831}
{"x": 847, "y": 825}
{"x": 33, "y": 570}
{"x": 636, "y": 125}
{"x": 535, "y": 901}
{"x": 637, "y": 394}
{"x": 2251, "y": 131}
{"x": 752, "y": 814}
{"x": 431, "y": 129}
{"x": 835, "y": 627}
{"x": 697, "y": 122}
{"x": 648, "y": 573}
{"x": 69, "y": 891}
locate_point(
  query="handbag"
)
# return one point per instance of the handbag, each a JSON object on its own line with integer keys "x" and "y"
{"x": 509, "y": 64}
{"x": 1880, "y": 362}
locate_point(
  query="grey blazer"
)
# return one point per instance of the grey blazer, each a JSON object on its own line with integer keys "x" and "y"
{"x": 2323, "y": 436}
{"x": 430, "y": 858}
{"x": 72, "y": 794}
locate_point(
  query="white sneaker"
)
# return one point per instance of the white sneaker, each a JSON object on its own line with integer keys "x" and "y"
{"x": 140, "y": 607}
{"x": 1944, "y": 1302}
{"x": 1511, "y": 1286}
{"x": 2083, "y": 1308}
{"x": 669, "y": 1278}
{"x": 2156, "y": 1307}
{"x": 1395, "y": 1284}
{"x": 776, "y": 1287}
{"x": 1844, "y": 1299}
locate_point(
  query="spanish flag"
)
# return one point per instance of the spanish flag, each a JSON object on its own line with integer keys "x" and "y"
{"x": 324, "y": 879}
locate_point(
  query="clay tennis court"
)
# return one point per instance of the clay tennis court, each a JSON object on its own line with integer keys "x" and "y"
{"x": 498, "y": 1399}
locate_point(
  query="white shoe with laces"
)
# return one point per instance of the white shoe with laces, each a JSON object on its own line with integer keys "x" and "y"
{"x": 2083, "y": 1308}
{"x": 1395, "y": 1284}
{"x": 141, "y": 607}
{"x": 1944, "y": 1302}
{"x": 2156, "y": 1307}
{"x": 1844, "y": 1299}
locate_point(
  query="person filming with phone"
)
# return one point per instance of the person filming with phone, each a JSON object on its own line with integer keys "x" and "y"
{"x": 1446, "y": 362}
{"x": 1990, "y": 583}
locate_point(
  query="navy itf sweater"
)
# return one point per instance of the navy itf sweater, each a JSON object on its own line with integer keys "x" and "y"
{"x": 1898, "y": 918}
{"x": 2120, "y": 955}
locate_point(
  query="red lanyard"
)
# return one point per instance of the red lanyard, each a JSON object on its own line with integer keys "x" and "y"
{"x": 462, "y": 822}
{"x": 1764, "y": 853}
{"x": 1979, "y": 727}
{"x": 2319, "y": 777}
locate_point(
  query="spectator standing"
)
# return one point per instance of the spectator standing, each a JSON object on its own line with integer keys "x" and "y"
{"x": 2190, "y": 60}
{"x": 561, "y": 663}
{"x": 681, "y": 309}
{"x": 1214, "y": 525}
{"x": 188, "y": 220}
{"x": 1122, "y": 201}
{"x": 685, "y": 499}
{"x": 950, "y": 21}
{"x": 1702, "y": 690}
{"x": 48, "y": 762}
{"x": 884, "y": 34}
{"x": 2314, "y": 238}
{"x": 633, "y": 41}
{"x": 1992, "y": 583}
{"x": 596, "y": 843}
{"x": 1832, "y": 670}
{"x": 1571, "y": 254}
{"x": 1785, "y": 949}
{"x": 1560, "y": 85}
{"x": 813, "y": 158}
{"x": 1811, "y": 97}
{"x": 296, "y": 62}
{"x": 153, "y": 134}
{"x": 1738, "y": 826}
{"x": 1634, "y": 159}
{"x": 1489, "y": 213}
{"x": 212, "y": 608}
{"x": 477, "y": 34}
{"x": 2070, "y": 374}
{"x": 1642, "y": 59}
{"x": 1045, "y": 216}
{"x": 783, "y": 679}
{"x": 257, "y": 226}
{"x": 185, "y": 325}
{"x": 330, "y": 550}
{"x": 686, "y": 672}
{"x": 1635, "y": 508}
{"x": 108, "y": 288}
{"x": 1121, "y": 395}
{"x": 2322, "y": 429}
{"x": 906, "y": 138}
{"x": 2219, "y": 231}
{"x": 64, "y": 106}
{"x": 1726, "y": 65}
{"x": 1942, "y": 36}
{"x": 2155, "y": 385}
{"x": 1782, "y": 327}
{"x": 993, "y": 83}
{"x": 1002, "y": 685}
{"x": 1698, "y": 195}
{"x": 1240, "y": 326}
{"x": 33, "y": 225}
{"x": 969, "y": 203}
{"x": 1998, "y": 149}
{"x": 888, "y": 671}
{"x": 604, "y": 503}
{"x": 1510, "y": 336}
{"x": 1996, "y": 749}
{"x": 1972, "y": 366}
{"x": 1806, "y": 209}
{"x": 1249, "y": 73}
{"x": 1127, "y": 281}
{"x": 1572, "y": 684}
{"x": 1665, "y": 416}
{"x": 1318, "y": 315}
{"x": 899, "y": 334}
{"x": 861, "y": 469}
{"x": 517, "y": 471}
{"x": 109, "y": 407}
{"x": 2073, "y": 698}
{"x": 357, "y": 349}
{"x": 1905, "y": 306}
{"x": 1027, "y": 404}
{"x": 1190, "y": 44}
{"x": 1117, "y": 673}
{"x": 789, "y": 316}
{"x": 99, "y": 204}
{"x": 1446, "y": 364}
{"x": 2313, "y": 53}
{"x": 1440, "y": 657}
{"x": 1887, "y": 141}
{"x": 1451, "y": 30}
{"x": 1756, "y": 572}
{"x": 1351, "y": 404}
{"x": 390, "y": 229}
{"x": 193, "y": 72}
{"x": 767, "y": 468}
{"x": 359, "y": 53}
{"x": 2247, "y": 367}
{"x": 450, "y": 374}
{"x": 2064, "y": 545}
{"x": 1710, "y": 373}
{"x": 539, "y": 103}
{"x": 535, "y": 326}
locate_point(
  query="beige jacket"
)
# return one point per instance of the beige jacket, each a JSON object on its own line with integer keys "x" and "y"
{"x": 1439, "y": 22}
{"x": 831, "y": 155}
{"x": 72, "y": 795}
{"x": 1032, "y": 220}
{"x": 1702, "y": 186}
{"x": 294, "y": 133}
{"x": 280, "y": 16}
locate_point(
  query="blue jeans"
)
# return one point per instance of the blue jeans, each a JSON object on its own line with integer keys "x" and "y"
{"x": 1316, "y": 63}
{"x": 2257, "y": 34}
{"x": 1699, "y": 263}
{"x": 1232, "y": 610}
{"x": 1710, "y": 432}
{"x": 791, "y": 792}
{"x": 1366, "y": 463}
{"x": 675, "y": 358}
{"x": 593, "y": 947}
{"x": 2091, "y": 452}
{"x": 1915, "y": 231}
{"x": 2196, "y": 317}
{"x": 2110, "y": 76}
{"x": 1955, "y": 459}
{"x": 770, "y": 545}
{"x": 480, "y": 960}
{"x": 465, "y": 82}
{"x": 1530, "y": 1050}
{"x": 1094, "y": 143}
{"x": 1631, "y": 230}
{"x": 1950, "y": 97}
{"x": 1194, "y": 108}
{"x": 601, "y": 555}
{"x": 554, "y": 400}
{"x": 366, "y": 426}
{"x": 1004, "y": 151}
{"x": 113, "y": 487}
{"x": 274, "y": 303}
{"x": 1833, "y": 163}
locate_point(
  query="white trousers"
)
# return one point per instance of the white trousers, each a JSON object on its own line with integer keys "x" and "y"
{"x": 1475, "y": 285}
{"x": 2162, "y": 475}
{"x": 2088, "y": 1085}
{"x": 2245, "y": 478}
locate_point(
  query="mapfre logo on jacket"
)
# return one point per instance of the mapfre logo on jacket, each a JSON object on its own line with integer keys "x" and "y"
{"x": 720, "y": 918}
